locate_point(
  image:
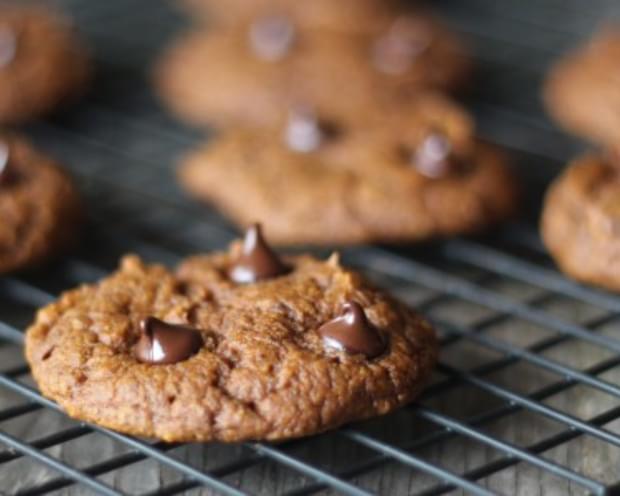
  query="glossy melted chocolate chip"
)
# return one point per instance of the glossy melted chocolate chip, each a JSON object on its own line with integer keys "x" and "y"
{"x": 8, "y": 45}
{"x": 305, "y": 132}
{"x": 257, "y": 260}
{"x": 352, "y": 332}
{"x": 397, "y": 50}
{"x": 7, "y": 174}
{"x": 271, "y": 37}
{"x": 162, "y": 343}
{"x": 434, "y": 156}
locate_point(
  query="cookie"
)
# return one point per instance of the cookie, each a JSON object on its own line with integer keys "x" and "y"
{"x": 42, "y": 63}
{"x": 39, "y": 206}
{"x": 230, "y": 346}
{"x": 253, "y": 75}
{"x": 340, "y": 15}
{"x": 582, "y": 91}
{"x": 581, "y": 221}
{"x": 418, "y": 174}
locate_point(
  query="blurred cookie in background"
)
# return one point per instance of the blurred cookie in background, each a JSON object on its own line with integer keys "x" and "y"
{"x": 339, "y": 15}
{"x": 253, "y": 73}
{"x": 42, "y": 63}
{"x": 582, "y": 91}
{"x": 581, "y": 220}
{"x": 39, "y": 205}
{"x": 417, "y": 175}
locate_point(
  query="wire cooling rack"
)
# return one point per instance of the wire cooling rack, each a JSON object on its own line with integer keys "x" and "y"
{"x": 526, "y": 399}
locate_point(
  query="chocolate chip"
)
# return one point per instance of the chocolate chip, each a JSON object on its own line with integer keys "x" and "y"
{"x": 7, "y": 172}
{"x": 352, "y": 332}
{"x": 305, "y": 132}
{"x": 434, "y": 156}
{"x": 257, "y": 260}
{"x": 162, "y": 343}
{"x": 271, "y": 37}
{"x": 396, "y": 51}
{"x": 8, "y": 45}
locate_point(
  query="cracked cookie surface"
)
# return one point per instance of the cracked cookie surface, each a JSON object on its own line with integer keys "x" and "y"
{"x": 263, "y": 371}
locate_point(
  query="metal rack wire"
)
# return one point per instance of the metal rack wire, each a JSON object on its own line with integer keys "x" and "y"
{"x": 527, "y": 395}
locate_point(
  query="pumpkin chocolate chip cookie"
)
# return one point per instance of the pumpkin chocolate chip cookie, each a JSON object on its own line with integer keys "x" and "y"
{"x": 415, "y": 174}
{"x": 254, "y": 74}
{"x": 39, "y": 206}
{"x": 42, "y": 63}
{"x": 230, "y": 346}
{"x": 581, "y": 221}
{"x": 582, "y": 91}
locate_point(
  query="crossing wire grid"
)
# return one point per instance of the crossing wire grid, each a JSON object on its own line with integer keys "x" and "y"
{"x": 526, "y": 398}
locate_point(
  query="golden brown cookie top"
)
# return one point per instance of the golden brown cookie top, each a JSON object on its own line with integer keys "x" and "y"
{"x": 281, "y": 357}
{"x": 38, "y": 203}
